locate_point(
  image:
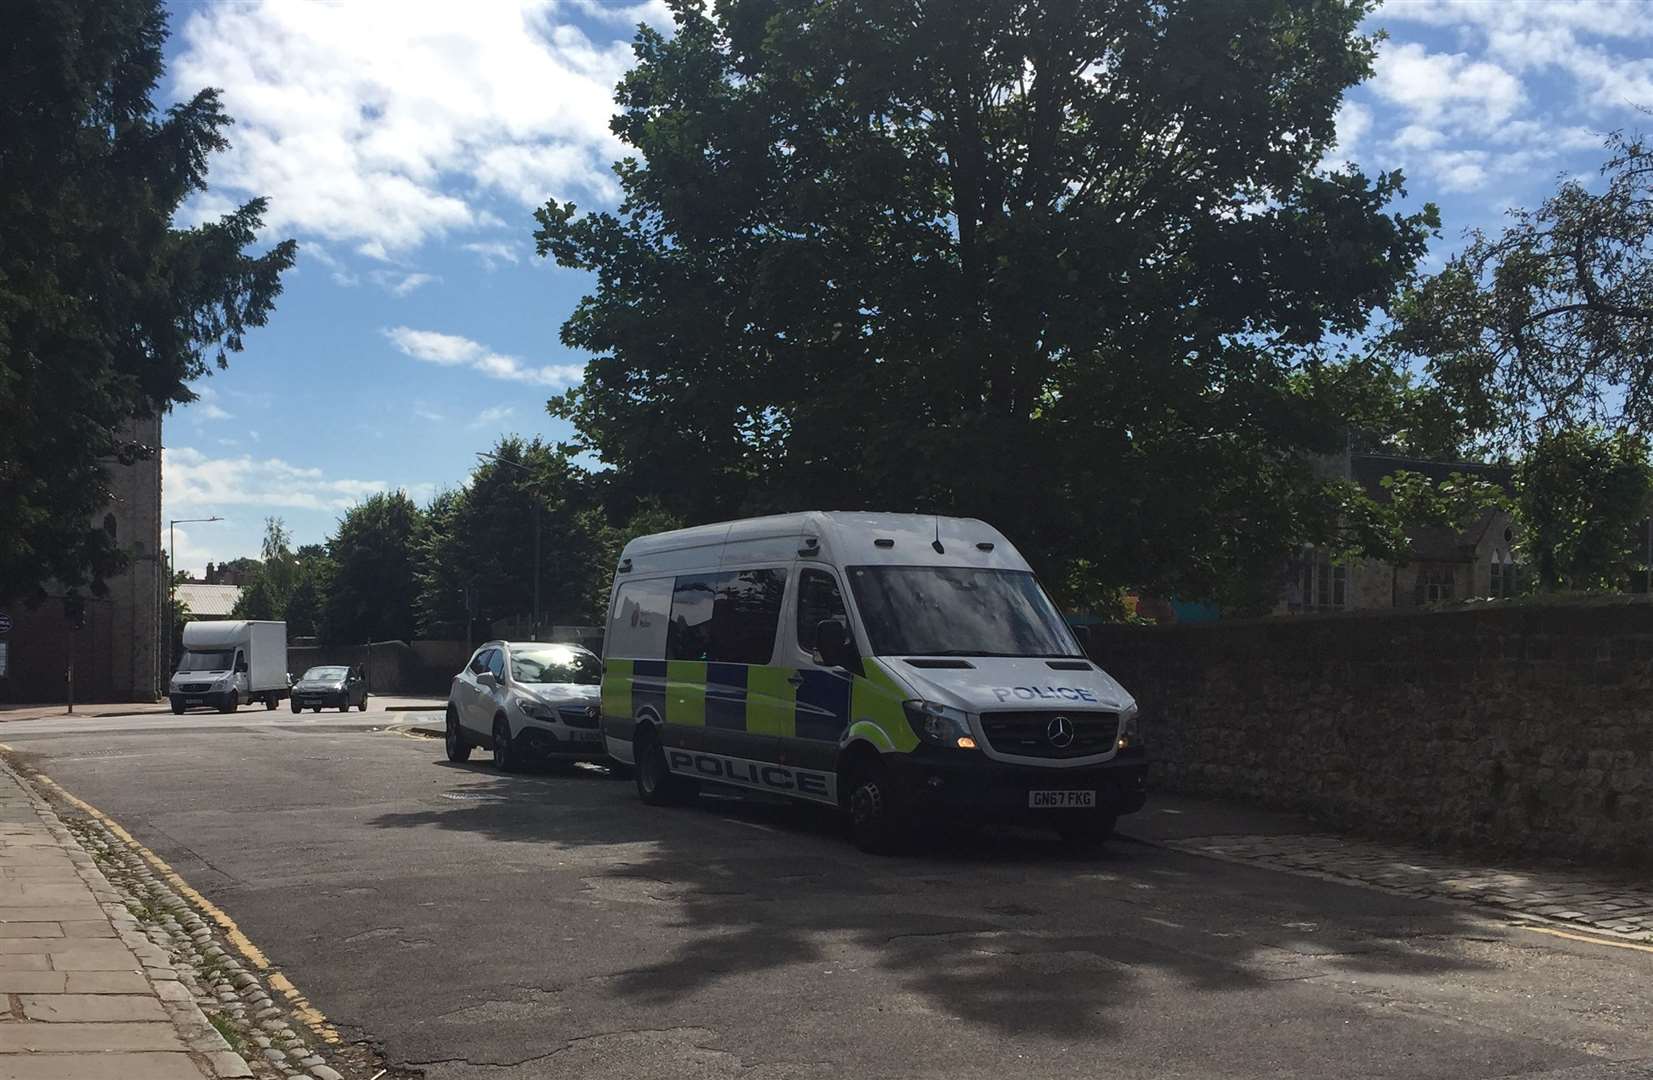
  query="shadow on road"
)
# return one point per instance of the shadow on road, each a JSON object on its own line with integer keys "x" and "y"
{"x": 1004, "y": 928}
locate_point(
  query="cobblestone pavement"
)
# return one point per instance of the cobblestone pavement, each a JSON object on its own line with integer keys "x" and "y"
{"x": 1594, "y": 901}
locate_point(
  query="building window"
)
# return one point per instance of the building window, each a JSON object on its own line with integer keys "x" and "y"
{"x": 1323, "y": 585}
{"x": 1435, "y": 584}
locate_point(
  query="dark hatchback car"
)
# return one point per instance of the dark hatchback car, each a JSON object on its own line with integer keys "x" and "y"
{"x": 331, "y": 686}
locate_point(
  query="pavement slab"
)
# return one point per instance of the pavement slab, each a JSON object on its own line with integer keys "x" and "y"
{"x": 77, "y": 1002}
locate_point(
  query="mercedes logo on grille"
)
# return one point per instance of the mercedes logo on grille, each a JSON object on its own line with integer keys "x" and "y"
{"x": 1060, "y": 732}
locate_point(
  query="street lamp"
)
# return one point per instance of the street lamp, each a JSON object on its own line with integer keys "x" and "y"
{"x": 172, "y": 579}
{"x": 539, "y": 512}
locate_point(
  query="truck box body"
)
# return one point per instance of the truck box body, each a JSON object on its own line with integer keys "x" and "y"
{"x": 263, "y": 643}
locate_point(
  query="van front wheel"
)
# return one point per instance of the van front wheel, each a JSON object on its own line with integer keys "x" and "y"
{"x": 876, "y": 821}
{"x": 656, "y": 785}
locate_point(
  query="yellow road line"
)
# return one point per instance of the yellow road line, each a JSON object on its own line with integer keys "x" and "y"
{"x": 301, "y": 1006}
{"x": 1587, "y": 938}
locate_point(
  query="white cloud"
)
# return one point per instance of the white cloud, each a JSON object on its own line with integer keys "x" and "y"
{"x": 1446, "y": 89}
{"x": 1353, "y": 122}
{"x": 492, "y": 254}
{"x": 491, "y": 416}
{"x": 450, "y": 350}
{"x": 425, "y": 412}
{"x": 193, "y": 481}
{"x": 205, "y": 405}
{"x": 399, "y": 284}
{"x": 381, "y": 124}
{"x": 214, "y": 412}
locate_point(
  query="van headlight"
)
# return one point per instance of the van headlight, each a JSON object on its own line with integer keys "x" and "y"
{"x": 1130, "y": 733}
{"x": 939, "y": 725}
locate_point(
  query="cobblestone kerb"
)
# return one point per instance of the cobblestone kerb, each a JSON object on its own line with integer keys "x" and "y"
{"x": 1619, "y": 907}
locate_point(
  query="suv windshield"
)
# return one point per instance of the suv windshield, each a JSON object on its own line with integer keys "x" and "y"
{"x": 326, "y": 674}
{"x": 550, "y": 664}
{"x": 206, "y": 661}
{"x": 958, "y": 611}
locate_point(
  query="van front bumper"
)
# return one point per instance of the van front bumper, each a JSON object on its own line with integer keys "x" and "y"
{"x": 971, "y": 785}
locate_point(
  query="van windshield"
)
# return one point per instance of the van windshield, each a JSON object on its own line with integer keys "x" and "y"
{"x": 958, "y": 611}
{"x": 206, "y": 661}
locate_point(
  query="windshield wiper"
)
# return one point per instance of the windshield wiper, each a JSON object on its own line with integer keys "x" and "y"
{"x": 1004, "y": 655}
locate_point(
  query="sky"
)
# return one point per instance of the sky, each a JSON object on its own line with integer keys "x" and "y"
{"x": 405, "y": 144}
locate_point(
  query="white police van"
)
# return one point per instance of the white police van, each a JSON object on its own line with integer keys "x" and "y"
{"x": 902, "y": 667}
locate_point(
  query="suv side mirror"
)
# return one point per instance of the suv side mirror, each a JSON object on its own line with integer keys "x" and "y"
{"x": 832, "y": 644}
{"x": 486, "y": 678}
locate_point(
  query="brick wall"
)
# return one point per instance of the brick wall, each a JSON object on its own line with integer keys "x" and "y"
{"x": 1521, "y": 728}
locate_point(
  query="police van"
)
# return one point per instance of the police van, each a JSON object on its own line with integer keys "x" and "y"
{"x": 904, "y": 668}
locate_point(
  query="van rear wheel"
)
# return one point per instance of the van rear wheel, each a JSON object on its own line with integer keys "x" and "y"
{"x": 656, "y": 784}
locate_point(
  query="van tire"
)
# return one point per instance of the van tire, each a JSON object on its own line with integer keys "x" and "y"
{"x": 232, "y": 702}
{"x": 177, "y": 706}
{"x": 656, "y": 785}
{"x": 270, "y": 702}
{"x": 877, "y": 821}
{"x": 457, "y": 746}
{"x": 297, "y": 708}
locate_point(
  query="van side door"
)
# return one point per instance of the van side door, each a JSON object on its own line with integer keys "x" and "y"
{"x": 822, "y": 693}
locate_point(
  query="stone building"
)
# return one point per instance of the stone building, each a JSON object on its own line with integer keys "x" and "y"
{"x": 117, "y": 650}
{"x": 1447, "y": 564}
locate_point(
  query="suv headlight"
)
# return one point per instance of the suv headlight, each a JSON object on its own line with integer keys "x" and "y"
{"x": 535, "y": 710}
{"x": 939, "y": 725}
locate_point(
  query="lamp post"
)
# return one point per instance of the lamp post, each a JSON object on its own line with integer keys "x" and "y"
{"x": 172, "y": 580}
{"x": 539, "y": 512}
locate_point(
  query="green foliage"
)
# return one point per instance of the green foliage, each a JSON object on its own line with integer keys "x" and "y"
{"x": 373, "y": 585}
{"x": 307, "y": 606}
{"x": 106, "y": 309}
{"x": 267, "y": 595}
{"x": 1581, "y": 494}
{"x": 1054, "y": 264}
{"x": 1417, "y": 501}
{"x": 1549, "y": 323}
{"x": 476, "y": 552}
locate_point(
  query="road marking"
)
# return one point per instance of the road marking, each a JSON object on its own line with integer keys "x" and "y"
{"x": 302, "y": 1008}
{"x": 1587, "y": 938}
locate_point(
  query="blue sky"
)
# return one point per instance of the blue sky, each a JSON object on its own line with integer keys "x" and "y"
{"x": 406, "y": 144}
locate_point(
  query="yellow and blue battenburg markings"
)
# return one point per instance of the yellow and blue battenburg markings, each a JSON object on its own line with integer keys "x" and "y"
{"x": 761, "y": 699}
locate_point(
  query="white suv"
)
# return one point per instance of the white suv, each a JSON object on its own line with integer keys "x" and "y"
{"x": 527, "y": 699}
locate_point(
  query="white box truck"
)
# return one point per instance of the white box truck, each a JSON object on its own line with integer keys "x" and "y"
{"x": 225, "y": 664}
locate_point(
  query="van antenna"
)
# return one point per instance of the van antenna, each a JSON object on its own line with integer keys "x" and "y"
{"x": 937, "y": 543}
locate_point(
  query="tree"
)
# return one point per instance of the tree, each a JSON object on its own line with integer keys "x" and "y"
{"x": 107, "y": 310}
{"x": 1050, "y": 262}
{"x": 267, "y": 595}
{"x": 306, "y": 607}
{"x": 477, "y": 552}
{"x": 1581, "y": 494}
{"x": 1549, "y": 323}
{"x": 374, "y": 588}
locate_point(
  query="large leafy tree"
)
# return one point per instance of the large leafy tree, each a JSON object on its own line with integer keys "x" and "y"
{"x": 1054, "y": 262}
{"x": 1581, "y": 494}
{"x": 374, "y": 586}
{"x": 1547, "y": 323}
{"x": 107, "y": 309}
{"x": 477, "y": 550}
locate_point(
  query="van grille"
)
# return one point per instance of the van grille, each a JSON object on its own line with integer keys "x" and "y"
{"x": 195, "y": 687}
{"x": 1027, "y": 734}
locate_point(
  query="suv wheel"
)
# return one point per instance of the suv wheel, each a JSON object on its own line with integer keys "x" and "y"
{"x": 458, "y": 747}
{"x": 505, "y": 758}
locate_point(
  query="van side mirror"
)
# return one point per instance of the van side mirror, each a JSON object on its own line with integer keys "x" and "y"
{"x": 833, "y": 647}
{"x": 241, "y": 664}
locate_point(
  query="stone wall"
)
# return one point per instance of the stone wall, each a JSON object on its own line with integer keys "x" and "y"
{"x": 1520, "y": 728}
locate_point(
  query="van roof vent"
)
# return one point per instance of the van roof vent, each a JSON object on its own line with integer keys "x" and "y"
{"x": 950, "y": 663}
{"x": 883, "y": 541}
{"x": 985, "y": 545}
{"x": 1068, "y": 665}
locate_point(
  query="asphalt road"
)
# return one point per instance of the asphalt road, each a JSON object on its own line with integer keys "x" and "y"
{"x": 549, "y": 925}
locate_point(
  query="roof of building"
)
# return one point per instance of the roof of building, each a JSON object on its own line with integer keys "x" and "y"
{"x": 1368, "y": 470}
{"x": 208, "y": 601}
